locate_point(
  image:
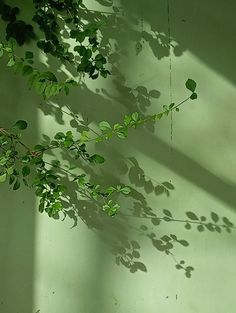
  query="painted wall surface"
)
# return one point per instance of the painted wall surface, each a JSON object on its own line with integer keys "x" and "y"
{"x": 91, "y": 263}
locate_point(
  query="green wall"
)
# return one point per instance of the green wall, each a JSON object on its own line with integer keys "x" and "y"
{"x": 74, "y": 266}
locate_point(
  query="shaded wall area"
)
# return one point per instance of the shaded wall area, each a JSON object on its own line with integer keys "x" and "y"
{"x": 17, "y": 209}
{"x": 206, "y": 28}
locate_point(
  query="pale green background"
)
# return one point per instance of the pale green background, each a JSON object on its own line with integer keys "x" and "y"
{"x": 46, "y": 265}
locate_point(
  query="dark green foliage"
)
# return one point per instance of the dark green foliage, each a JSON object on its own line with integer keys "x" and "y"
{"x": 52, "y": 17}
{"x": 17, "y": 29}
{"x": 20, "y": 31}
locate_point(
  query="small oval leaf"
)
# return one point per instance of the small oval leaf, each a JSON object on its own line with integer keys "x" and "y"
{"x": 21, "y": 125}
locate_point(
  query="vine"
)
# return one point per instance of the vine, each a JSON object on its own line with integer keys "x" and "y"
{"x": 16, "y": 165}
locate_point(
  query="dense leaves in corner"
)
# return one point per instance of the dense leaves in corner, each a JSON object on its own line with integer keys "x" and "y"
{"x": 21, "y": 31}
{"x": 53, "y": 18}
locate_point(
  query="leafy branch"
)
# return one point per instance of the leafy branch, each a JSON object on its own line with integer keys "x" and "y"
{"x": 44, "y": 83}
{"x": 17, "y": 165}
{"x": 30, "y": 168}
{"x": 134, "y": 120}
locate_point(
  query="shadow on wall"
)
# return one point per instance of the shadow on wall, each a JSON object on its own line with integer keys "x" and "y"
{"x": 124, "y": 30}
{"x": 17, "y": 209}
{"x": 116, "y": 232}
{"x": 193, "y": 28}
{"x": 113, "y": 103}
{"x": 190, "y": 22}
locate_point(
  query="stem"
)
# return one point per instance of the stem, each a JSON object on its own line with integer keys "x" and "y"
{"x": 73, "y": 115}
{"x": 143, "y": 121}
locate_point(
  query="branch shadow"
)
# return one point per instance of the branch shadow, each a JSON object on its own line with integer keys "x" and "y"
{"x": 115, "y": 232}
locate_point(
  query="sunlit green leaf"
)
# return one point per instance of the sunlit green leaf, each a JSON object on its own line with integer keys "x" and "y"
{"x": 3, "y": 178}
{"x": 104, "y": 125}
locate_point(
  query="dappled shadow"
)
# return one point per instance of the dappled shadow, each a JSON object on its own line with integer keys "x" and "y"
{"x": 126, "y": 248}
{"x": 137, "y": 27}
{"x": 198, "y": 175}
{"x": 115, "y": 38}
{"x": 193, "y": 28}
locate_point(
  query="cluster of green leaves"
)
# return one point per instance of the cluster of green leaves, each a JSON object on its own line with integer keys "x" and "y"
{"x": 96, "y": 193}
{"x": 49, "y": 190}
{"x": 110, "y": 206}
{"x": 53, "y": 17}
{"x": 20, "y": 164}
{"x": 44, "y": 83}
{"x": 50, "y": 15}
{"x": 9, "y": 156}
